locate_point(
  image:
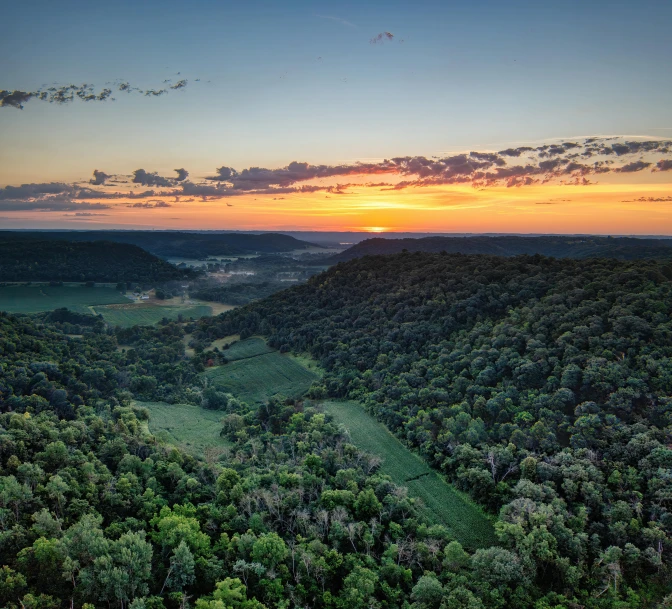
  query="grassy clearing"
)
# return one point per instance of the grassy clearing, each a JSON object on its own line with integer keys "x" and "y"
{"x": 443, "y": 504}
{"x": 140, "y": 314}
{"x": 38, "y": 298}
{"x": 305, "y": 360}
{"x": 227, "y": 340}
{"x": 259, "y": 373}
{"x": 187, "y": 426}
{"x": 244, "y": 349}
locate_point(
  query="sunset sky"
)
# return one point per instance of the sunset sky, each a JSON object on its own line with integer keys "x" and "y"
{"x": 481, "y": 116}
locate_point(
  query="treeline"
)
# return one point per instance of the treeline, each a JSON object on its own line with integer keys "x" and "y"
{"x": 539, "y": 386}
{"x": 580, "y": 246}
{"x": 237, "y": 292}
{"x": 174, "y": 243}
{"x": 95, "y": 512}
{"x": 104, "y": 261}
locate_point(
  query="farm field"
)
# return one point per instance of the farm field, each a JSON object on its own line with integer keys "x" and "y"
{"x": 187, "y": 426}
{"x": 140, "y": 314}
{"x": 259, "y": 374}
{"x": 443, "y": 504}
{"x": 243, "y": 349}
{"x": 39, "y": 298}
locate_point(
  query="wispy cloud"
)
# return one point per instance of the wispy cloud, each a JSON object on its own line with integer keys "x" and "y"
{"x": 337, "y": 19}
{"x": 382, "y": 37}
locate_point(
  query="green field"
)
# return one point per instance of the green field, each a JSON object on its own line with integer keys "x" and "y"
{"x": 38, "y": 298}
{"x": 244, "y": 349}
{"x": 443, "y": 504}
{"x": 261, "y": 373}
{"x": 139, "y": 314}
{"x": 190, "y": 427}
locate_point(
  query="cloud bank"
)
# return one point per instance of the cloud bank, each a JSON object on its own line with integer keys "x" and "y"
{"x": 568, "y": 163}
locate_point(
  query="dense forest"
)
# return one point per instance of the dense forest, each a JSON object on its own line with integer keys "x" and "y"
{"x": 174, "y": 243}
{"x": 540, "y": 386}
{"x": 36, "y": 260}
{"x": 584, "y": 246}
{"x": 96, "y": 512}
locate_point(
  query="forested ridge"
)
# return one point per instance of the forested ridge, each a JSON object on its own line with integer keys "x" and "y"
{"x": 540, "y": 386}
{"x": 559, "y": 246}
{"x": 104, "y": 261}
{"x": 174, "y": 243}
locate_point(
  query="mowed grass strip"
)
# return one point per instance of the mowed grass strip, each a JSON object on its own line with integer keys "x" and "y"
{"x": 148, "y": 315}
{"x": 443, "y": 504}
{"x": 256, "y": 379}
{"x": 243, "y": 349}
{"x": 187, "y": 426}
{"x": 39, "y": 298}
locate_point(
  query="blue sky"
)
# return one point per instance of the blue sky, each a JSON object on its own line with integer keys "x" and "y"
{"x": 301, "y": 80}
{"x": 467, "y": 74}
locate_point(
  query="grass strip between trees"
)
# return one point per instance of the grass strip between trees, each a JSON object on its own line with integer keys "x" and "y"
{"x": 443, "y": 504}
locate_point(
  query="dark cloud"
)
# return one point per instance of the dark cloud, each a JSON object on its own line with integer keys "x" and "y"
{"x": 488, "y": 156}
{"x": 65, "y": 94}
{"x": 182, "y": 174}
{"x": 90, "y": 193}
{"x": 150, "y": 204}
{"x": 86, "y": 214}
{"x": 259, "y": 177}
{"x": 515, "y": 152}
{"x": 32, "y": 191}
{"x": 49, "y": 204}
{"x": 382, "y": 37}
{"x": 14, "y": 99}
{"x": 98, "y": 178}
{"x": 140, "y": 176}
{"x": 634, "y": 166}
{"x": 664, "y": 165}
{"x": 649, "y": 200}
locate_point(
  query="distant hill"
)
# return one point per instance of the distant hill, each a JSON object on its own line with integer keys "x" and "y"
{"x": 40, "y": 260}
{"x": 176, "y": 244}
{"x": 622, "y": 248}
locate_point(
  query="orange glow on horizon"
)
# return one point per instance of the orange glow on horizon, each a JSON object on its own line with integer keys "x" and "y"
{"x": 608, "y": 208}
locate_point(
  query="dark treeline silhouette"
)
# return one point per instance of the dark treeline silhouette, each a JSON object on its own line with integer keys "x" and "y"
{"x": 36, "y": 260}
{"x": 173, "y": 243}
{"x": 623, "y": 248}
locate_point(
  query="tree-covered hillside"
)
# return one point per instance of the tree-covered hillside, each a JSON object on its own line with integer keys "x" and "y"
{"x": 540, "y": 386}
{"x": 95, "y": 512}
{"x": 581, "y": 246}
{"x": 36, "y": 260}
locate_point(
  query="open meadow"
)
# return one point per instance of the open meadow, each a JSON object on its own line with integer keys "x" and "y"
{"x": 443, "y": 504}
{"x": 37, "y": 298}
{"x": 187, "y": 426}
{"x": 141, "y": 314}
{"x": 258, "y": 372}
{"x": 244, "y": 349}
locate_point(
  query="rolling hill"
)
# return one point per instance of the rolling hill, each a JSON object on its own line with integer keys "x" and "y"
{"x": 175, "y": 244}
{"x": 103, "y": 261}
{"x": 622, "y": 248}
